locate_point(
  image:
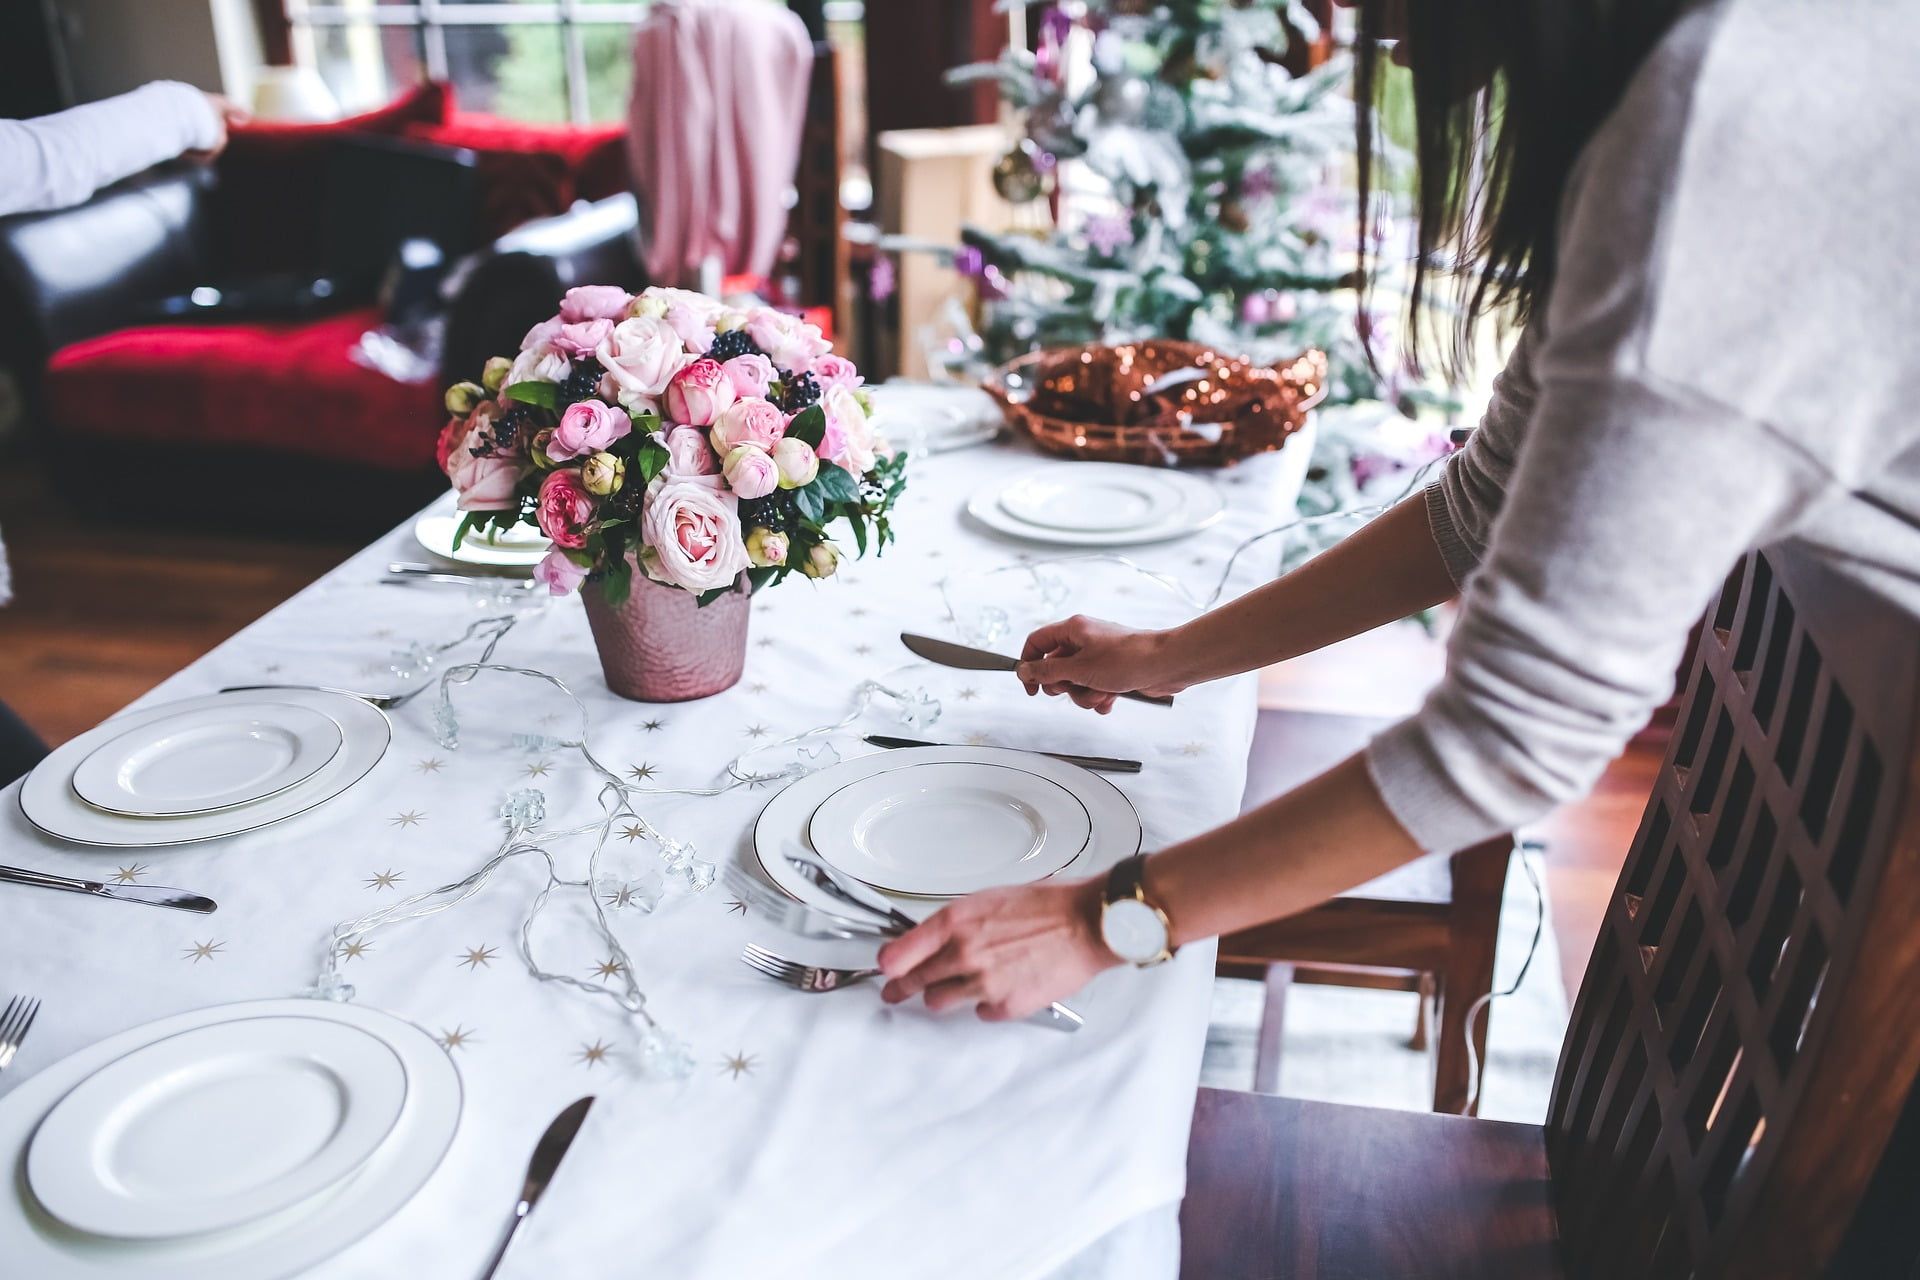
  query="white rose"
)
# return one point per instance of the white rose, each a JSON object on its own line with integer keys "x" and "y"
{"x": 641, "y": 355}
{"x": 856, "y": 433}
{"x": 538, "y": 363}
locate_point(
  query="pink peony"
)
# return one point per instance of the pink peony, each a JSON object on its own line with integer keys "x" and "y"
{"x": 580, "y": 339}
{"x": 484, "y": 484}
{"x": 559, "y": 575}
{"x": 748, "y": 422}
{"x": 595, "y": 302}
{"x": 750, "y": 374}
{"x": 693, "y": 533}
{"x": 836, "y": 371}
{"x": 698, "y": 394}
{"x": 452, "y": 436}
{"x": 688, "y": 454}
{"x": 588, "y": 426}
{"x": 751, "y": 472}
{"x": 848, "y": 432}
{"x": 791, "y": 342}
{"x": 797, "y": 462}
{"x": 693, "y": 324}
{"x": 565, "y": 509}
{"x": 538, "y": 363}
{"x": 641, "y": 356}
{"x": 542, "y": 334}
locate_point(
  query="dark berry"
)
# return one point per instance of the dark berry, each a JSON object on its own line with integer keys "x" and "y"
{"x": 732, "y": 343}
{"x": 776, "y": 511}
{"x": 581, "y": 383}
{"x": 799, "y": 390}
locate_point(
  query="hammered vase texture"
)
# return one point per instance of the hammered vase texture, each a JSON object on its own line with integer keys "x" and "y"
{"x": 661, "y": 646}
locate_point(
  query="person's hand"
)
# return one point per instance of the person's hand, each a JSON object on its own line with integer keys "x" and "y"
{"x": 1010, "y": 952}
{"x": 1092, "y": 662}
{"x": 229, "y": 113}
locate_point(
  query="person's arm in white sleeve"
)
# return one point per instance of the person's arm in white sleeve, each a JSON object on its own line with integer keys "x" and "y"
{"x": 60, "y": 160}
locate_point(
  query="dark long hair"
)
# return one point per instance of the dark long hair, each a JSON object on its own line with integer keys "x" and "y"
{"x": 1506, "y": 93}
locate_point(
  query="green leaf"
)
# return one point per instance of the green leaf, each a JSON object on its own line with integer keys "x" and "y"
{"x": 809, "y": 425}
{"x": 708, "y": 597}
{"x": 652, "y": 460}
{"x": 810, "y": 502}
{"x": 467, "y": 522}
{"x": 835, "y": 484}
{"x": 616, "y": 583}
{"x": 546, "y": 395}
{"x": 859, "y": 533}
{"x": 765, "y": 576}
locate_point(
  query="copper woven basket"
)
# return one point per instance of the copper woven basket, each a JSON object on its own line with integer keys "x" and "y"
{"x": 1101, "y": 402}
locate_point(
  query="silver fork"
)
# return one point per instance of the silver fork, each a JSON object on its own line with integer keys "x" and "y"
{"x": 384, "y": 701}
{"x": 802, "y": 977}
{"x": 15, "y": 1021}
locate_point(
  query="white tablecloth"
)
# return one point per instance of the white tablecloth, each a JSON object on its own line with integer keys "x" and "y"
{"x": 817, "y": 1135}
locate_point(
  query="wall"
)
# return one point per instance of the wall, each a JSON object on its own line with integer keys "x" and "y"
{"x": 117, "y": 45}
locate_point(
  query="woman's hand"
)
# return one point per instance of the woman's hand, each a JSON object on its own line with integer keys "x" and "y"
{"x": 1093, "y": 661}
{"x": 1011, "y": 952}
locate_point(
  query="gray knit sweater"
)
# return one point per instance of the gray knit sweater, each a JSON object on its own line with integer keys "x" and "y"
{"x": 1730, "y": 358}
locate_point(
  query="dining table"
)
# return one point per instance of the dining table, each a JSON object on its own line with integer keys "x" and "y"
{"x": 808, "y": 1135}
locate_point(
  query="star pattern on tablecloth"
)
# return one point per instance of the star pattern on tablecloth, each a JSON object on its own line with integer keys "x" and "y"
{"x": 1192, "y": 748}
{"x": 641, "y": 772}
{"x": 355, "y": 949}
{"x": 863, "y": 650}
{"x": 968, "y": 694}
{"x": 756, "y": 731}
{"x": 764, "y": 642}
{"x": 203, "y": 951}
{"x": 411, "y": 818}
{"x": 736, "y": 906}
{"x": 633, "y": 831}
{"x": 757, "y": 686}
{"x": 539, "y": 769}
{"x": 608, "y": 968}
{"x": 976, "y": 739}
{"x": 129, "y": 874}
{"x": 653, "y": 726}
{"x": 432, "y": 764}
{"x": 272, "y": 669}
{"x": 458, "y": 1038}
{"x": 856, "y": 612}
{"x": 477, "y": 956}
{"x": 738, "y": 1064}
{"x": 591, "y": 1055}
{"x": 385, "y": 879}
{"x": 384, "y": 633}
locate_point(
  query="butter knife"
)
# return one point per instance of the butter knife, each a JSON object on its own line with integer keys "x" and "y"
{"x": 948, "y": 654}
{"x": 152, "y": 895}
{"x": 547, "y": 1154}
{"x": 1104, "y": 764}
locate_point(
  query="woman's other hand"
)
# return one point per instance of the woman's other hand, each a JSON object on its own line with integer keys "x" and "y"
{"x": 1012, "y": 952}
{"x": 1093, "y": 662}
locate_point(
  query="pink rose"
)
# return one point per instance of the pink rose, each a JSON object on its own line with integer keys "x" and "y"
{"x": 582, "y": 338}
{"x": 694, "y": 534}
{"x": 538, "y": 363}
{"x": 452, "y": 436}
{"x": 565, "y": 509}
{"x": 688, "y": 454}
{"x": 693, "y": 324}
{"x": 595, "y": 302}
{"x": 484, "y": 484}
{"x": 848, "y": 432}
{"x": 542, "y": 334}
{"x": 751, "y": 472}
{"x": 588, "y": 426}
{"x": 750, "y": 374}
{"x": 792, "y": 343}
{"x": 797, "y": 462}
{"x": 752, "y": 422}
{"x": 698, "y": 394}
{"x": 836, "y": 371}
{"x": 559, "y": 575}
{"x": 641, "y": 355}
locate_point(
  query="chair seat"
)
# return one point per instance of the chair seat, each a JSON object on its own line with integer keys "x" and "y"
{"x": 1281, "y": 1189}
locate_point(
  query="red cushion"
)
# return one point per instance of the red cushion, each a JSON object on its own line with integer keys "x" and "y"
{"x": 286, "y": 388}
{"x": 529, "y": 171}
{"x": 271, "y": 196}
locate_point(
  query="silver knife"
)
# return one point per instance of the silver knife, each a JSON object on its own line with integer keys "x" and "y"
{"x": 547, "y": 1154}
{"x": 152, "y": 895}
{"x": 411, "y": 576}
{"x": 948, "y": 654}
{"x": 1105, "y": 764}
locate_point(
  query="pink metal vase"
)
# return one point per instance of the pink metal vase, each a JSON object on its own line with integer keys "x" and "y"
{"x": 661, "y": 646}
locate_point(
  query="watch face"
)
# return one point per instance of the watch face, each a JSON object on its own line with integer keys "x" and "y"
{"x": 1133, "y": 930}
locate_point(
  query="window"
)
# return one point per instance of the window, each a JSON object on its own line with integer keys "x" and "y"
{"x": 544, "y": 61}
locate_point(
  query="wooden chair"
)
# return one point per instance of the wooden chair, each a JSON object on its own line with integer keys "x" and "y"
{"x": 1746, "y": 1035}
{"x": 1429, "y": 927}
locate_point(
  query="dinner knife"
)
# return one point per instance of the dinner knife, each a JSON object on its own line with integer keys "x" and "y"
{"x": 948, "y": 654}
{"x": 547, "y": 1154}
{"x": 1105, "y": 764}
{"x": 152, "y": 895}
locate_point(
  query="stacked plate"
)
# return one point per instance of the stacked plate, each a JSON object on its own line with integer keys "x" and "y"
{"x": 1097, "y": 504}
{"x": 205, "y": 767}
{"x": 924, "y": 824}
{"x": 244, "y": 1141}
{"x": 520, "y": 547}
{"x": 935, "y": 417}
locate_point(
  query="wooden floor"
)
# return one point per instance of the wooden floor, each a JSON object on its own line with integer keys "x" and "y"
{"x": 103, "y": 614}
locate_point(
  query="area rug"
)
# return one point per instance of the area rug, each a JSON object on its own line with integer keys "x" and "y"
{"x": 1351, "y": 1045}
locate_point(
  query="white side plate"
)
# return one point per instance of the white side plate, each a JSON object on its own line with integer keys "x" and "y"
{"x": 207, "y": 760}
{"x": 216, "y": 1127}
{"x": 520, "y": 547}
{"x": 941, "y": 830}
{"x": 1092, "y": 499}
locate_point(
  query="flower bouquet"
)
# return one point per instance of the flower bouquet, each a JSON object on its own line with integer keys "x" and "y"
{"x": 703, "y": 446}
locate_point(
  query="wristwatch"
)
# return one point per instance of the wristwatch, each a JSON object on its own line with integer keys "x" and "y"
{"x": 1134, "y": 928}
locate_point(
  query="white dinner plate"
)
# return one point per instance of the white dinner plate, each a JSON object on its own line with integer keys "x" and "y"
{"x": 942, "y": 830}
{"x": 216, "y": 1127}
{"x": 33, "y": 1243}
{"x": 1092, "y": 498}
{"x": 206, "y": 760}
{"x": 783, "y": 823}
{"x": 49, "y": 803}
{"x": 520, "y": 547}
{"x": 1074, "y": 497}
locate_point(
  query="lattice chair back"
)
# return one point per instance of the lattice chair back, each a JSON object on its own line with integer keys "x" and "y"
{"x": 1749, "y": 1025}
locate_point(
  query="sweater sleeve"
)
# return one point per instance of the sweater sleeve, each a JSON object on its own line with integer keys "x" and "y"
{"x": 60, "y": 160}
{"x": 1464, "y": 502}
